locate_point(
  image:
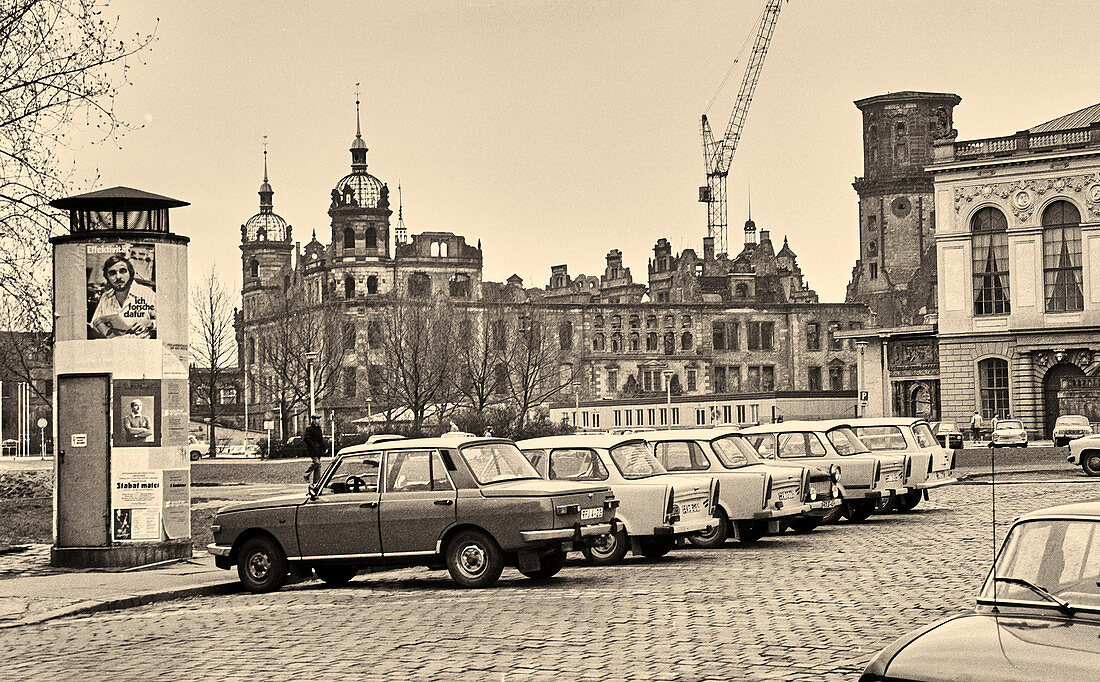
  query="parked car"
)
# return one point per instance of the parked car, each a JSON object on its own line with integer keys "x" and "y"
{"x": 198, "y": 448}
{"x": 1086, "y": 452}
{"x": 1070, "y": 426}
{"x": 1037, "y": 617}
{"x": 789, "y": 500}
{"x": 655, "y": 508}
{"x": 472, "y": 505}
{"x": 929, "y": 465}
{"x": 864, "y": 476}
{"x": 1009, "y": 432}
{"x": 948, "y": 434}
{"x": 247, "y": 449}
{"x": 8, "y": 447}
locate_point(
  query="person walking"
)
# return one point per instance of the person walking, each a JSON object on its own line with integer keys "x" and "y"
{"x": 975, "y": 425}
{"x": 314, "y": 440}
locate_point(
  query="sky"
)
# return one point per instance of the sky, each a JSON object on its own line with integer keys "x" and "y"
{"x": 556, "y": 131}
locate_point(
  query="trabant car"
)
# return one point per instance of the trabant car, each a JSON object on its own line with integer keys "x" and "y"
{"x": 929, "y": 464}
{"x": 948, "y": 434}
{"x": 470, "y": 504}
{"x": 1009, "y": 432}
{"x": 1037, "y": 617}
{"x": 1086, "y": 452}
{"x": 745, "y": 510}
{"x": 864, "y": 476}
{"x": 1070, "y": 426}
{"x": 655, "y": 509}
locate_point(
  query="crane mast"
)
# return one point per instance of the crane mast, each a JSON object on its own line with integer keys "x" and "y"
{"x": 718, "y": 154}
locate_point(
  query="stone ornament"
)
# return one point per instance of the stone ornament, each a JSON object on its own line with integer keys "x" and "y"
{"x": 1022, "y": 202}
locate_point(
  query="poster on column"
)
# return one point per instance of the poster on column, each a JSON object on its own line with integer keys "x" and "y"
{"x": 136, "y": 413}
{"x": 177, "y": 503}
{"x": 122, "y": 291}
{"x": 136, "y": 501}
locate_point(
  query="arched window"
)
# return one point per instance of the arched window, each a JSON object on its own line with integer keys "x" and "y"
{"x": 349, "y": 238}
{"x": 434, "y": 250}
{"x": 651, "y": 321}
{"x": 669, "y": 321}
{"x": 742, "y": 290}
{"x": 616, "y": 321}
{"x": 597, "y": 342}
{"x": 616, "y": 342}
{"x": 372, "y": 284}
{"x": 442, "y": 249}
{"x": 989, "y": 247}
{"x": 1062, "y": 257}
{"x": 565, "y": 335}
{"x": 670, "y": 343}
{"x": 253, "y": 268}
{"x": 459, "y": 285}
{"x": 686, "y": 341}
{"x": 651, "y": 341}
{"x": 349, "y": 287}
{"x": 634, "y": 322}
{"x": 993, "y": 387}
{"x": 635, "y": 342}
{"x": 370, "y": 237}
{"x": 685, "y": 321}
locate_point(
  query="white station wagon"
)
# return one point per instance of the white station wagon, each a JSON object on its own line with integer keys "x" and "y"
{"x": 655, "y": 508}
{"x": 929, "y": 465}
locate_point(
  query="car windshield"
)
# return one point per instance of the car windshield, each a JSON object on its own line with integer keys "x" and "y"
{"x": 1059, "y": 556}
{"x": 879, "y": 438}
{"x": 634, "y": 461}
{"x": 846, "y": 442}
{"x": 923, "y": 433}
{"x": 1072, "y": 421}
{"x": 495, "y": 462}
{"x": 1010, "y": 424}
{"x": 735, "y": 452}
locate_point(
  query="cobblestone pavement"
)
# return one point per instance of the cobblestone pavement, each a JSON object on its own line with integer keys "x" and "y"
{"x": 797, "y": 607}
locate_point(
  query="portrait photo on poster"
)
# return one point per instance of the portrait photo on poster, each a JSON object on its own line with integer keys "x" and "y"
{"x": 137, "y": 413}
{"x": 122, "y": 524}
{"x": 122, "y": 291}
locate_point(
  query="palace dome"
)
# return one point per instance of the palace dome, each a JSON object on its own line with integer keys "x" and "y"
{"x": 365, "y": 188}
{"x": 265, "y": 226}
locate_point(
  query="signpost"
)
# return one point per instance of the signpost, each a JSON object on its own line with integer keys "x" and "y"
{"x": 268, "y": 426}
{"x": 42, "y": 427}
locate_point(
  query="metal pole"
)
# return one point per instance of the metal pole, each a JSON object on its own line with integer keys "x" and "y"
{"x": 245, "y": 397}
{"x": 332, "y": 432}
{"x": 42, "y": 452}
{"x": 1, "y": 415}
{"x": 312, "y": 390}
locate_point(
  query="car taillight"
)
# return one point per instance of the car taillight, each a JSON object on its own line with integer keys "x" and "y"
{"x": 767, "y": 491}
{"x": 834, "y": 471}
{"x": 908, "y": 467}
{"x": 714, "y": 495}
{"x": 952, "y": 460}
{"x": 567, "y": 509}
{"x": 929, "y": 464}
{"x": 806, "y": 492}
{"x": 878, "y": 470}
{"x": 671, "y": 515}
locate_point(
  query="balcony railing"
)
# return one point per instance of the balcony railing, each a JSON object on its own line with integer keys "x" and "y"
{"x": 1024, "y": 142}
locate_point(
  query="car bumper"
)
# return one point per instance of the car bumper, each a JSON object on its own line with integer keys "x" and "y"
{"x": 685, "y": 527}
{"x": 825, "y": 504}
{"x": 1009, "y": 441}
{"x": 788, "y": 509}
{"x": 219, "y": 550}
{"x": 937, "y": 479}
{"x": 592, "y": 530}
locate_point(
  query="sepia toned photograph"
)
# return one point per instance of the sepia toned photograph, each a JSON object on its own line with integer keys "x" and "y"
{"x": 545, "y": 340}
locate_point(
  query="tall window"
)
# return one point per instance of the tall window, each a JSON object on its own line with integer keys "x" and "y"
{"x": 616, "y": 342}
{"x": 836, "y": 377}
{"x": 686, "y": 341}
{"x": 349, "y": 334}
{"x": 349, "y": 238}
{"x": 613, "y": 381}
{"x": 760, "y": 335}
{"x": 815, "y": 378}
{"x": 350, "y": 380}
{"x": 372, "y": 284}
{"x": 374, "y": 334}
{"x": 349, "y": 287}
{"x": 691, "y": 380}
{"x": 253, "y": 268}
{"x": 813, "y": 336}
{"x": 719, "y": 379}
{"x": 834, "y": 342}
{"x": 651, "y": 341}
{"x": 719, "y": 335}
{"x": 989, "y": 246}
{"x": 1062, "y": 257}
{"x": 565, "y": 335}
{"x": 370, "y": 237}
{"x": 635, "y": 341}
{"x": 420, "y": 286}
{"x": 993, "y": 387}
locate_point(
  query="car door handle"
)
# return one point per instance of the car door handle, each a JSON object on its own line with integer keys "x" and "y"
{"x": 368, "y": 505}
{"x": 444, "y": 503}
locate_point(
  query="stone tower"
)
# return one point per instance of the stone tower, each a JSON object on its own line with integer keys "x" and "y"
{"x": 265, "y": 252}
{"x": 895, "y": 273}
{"x": 360, "y": 210}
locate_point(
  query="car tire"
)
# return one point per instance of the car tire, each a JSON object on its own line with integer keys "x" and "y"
{"x": 262, "y": 565}
{"x": 1090, "y": 462}
{"x": 858, "y": 512}
{"x": 715, "y": 537}
{"x": 910, "y": 500}
{"x": 195, "y": 455}
{"x": 336, "y": 575}
{"x": 608, "y": 549}
{"x": 474, "y": 559}
{"x": 834, "y": 514}
{"x": 1061, "y": 442}
{"x": 805, "y": 524}
{"x": 886, "y": 504}
{"x": 550, "y": 564}
{"x": 655, "y": 548}
{"x": 749, "y": 532}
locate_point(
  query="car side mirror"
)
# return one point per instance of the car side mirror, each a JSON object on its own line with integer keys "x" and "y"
{"x": 313, "y": 490}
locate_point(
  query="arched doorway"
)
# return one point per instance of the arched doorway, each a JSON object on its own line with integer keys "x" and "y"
{"x": 921, "y": 400}
{"x": 1051, "y": 383}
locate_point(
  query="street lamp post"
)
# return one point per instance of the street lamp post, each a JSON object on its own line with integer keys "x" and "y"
{"x": 860, "y": 381}
{"x": 311, "y": 357}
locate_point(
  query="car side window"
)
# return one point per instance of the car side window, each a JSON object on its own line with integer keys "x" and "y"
{"x": 764, "y": 444}
{"x": 570, "y": 464}
{"x": 681, "y": 456}
{"x": 535, "y": 457}
{"x": 800, "y": 444}
{"x": 814, "y": 445}
{"x": 415, "y": 471}
{"x": 355, "y": 474}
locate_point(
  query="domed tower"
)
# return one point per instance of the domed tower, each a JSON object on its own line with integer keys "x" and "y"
{"x": 360, "y": 209}
{"x": 265, "y": 251}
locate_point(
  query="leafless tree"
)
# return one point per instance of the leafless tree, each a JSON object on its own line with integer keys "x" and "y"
{"x": 418, "y": 346}
{"x": 61, "y": 65}
{"x": 535, "y": 363}
{"x": 213, "y": 342}
{"x": 478, "y": 354}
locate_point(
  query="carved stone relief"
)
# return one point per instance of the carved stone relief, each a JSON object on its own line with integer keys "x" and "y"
{"x": 1024, "y": 192}
{"x": 1082, "y": 357}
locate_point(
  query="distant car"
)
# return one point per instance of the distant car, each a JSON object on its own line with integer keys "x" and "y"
{"x": 239, "y": 450}
{"x": 1070, "y": 426}
{"x": 472, "y": 505}
{"x": 948, "y": 435}
{"x": 1009, "y": 433}
{"x": 1038, "y": 613}
{"x": 655, "y": 508}
{"x": 1086, "y": 452}
{"x": 929, "y": 464}
{"x": 197, "y": 448}
{"x": 9, "y": 447}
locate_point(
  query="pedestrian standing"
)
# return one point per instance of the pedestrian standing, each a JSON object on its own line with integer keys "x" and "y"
{"x": 975, "y": 425}
{"x": 314, "y": 440}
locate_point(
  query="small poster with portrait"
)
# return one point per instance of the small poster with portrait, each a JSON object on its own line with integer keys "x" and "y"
{"x": 122, "y": 291}
{"x": 137, "y": 413}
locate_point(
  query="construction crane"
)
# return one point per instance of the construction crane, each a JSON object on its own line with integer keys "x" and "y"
{"x": 718, "y": 154}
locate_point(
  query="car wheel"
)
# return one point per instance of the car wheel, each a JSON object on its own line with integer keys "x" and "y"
{"x": 336, "y": 575}
{"x": 195, "y": 455}
{"x": 806, "y": 524}
{"x": 749, "y": 532}
{"x": 607, "y": 549}
{"x": 715, "y": 537}
{"x": 549, "y": 566}
{"x": 1060, "y": 442}
{"x": 910, "y": 500}
{"x": 834, "y": 514}
{"x": 857, "y": 512}
{"x": 1090, "y": 462}
{"x": 474, "y": 559}
{"x": 886, "y": 503}
{"x": 262, "y": 565}
{"x": 655, "y": 548}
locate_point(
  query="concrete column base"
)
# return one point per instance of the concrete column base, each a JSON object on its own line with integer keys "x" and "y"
{"x": 120, "y": 556}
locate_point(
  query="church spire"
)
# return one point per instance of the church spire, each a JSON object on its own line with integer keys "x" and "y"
{"x": 266, "y": 193}
{"x": 750, "y": 226}
{"x": 400, "y": 234}
{"x": 358, "y": 146}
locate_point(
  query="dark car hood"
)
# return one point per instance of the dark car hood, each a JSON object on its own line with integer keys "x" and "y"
{"x": 539, "y": 488}
{"x": 265, "y": 503}
{"x": 1000, "y": 647}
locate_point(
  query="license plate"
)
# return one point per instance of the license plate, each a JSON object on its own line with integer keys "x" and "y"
{"x": 828, "y": 504}
{"x": 891, "y": 477}
{"x": 691, "y": 508}
{"x": 786, "y": 494}
{"x": 592, "y": 513}
{"x": 941, "y": 474}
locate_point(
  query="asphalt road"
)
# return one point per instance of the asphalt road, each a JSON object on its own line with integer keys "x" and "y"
{"x": 789, "y": 607}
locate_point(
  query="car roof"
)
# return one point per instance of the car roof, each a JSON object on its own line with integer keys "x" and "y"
{"x": 577, "y": 440}
{"x": 1089, "y": 509}
{"x": 691, "y": 434}
{"x": 787, "y": 427}
{"x": 886, "y": 421}
{"x": 1071, "y": 416}
{"x": 445, "y": 441}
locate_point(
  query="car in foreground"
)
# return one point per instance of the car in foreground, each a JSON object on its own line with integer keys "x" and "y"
{"x": 928, "y": 466}
{"x": 1037, "y": 617}
{"x": 948, "y": 434}
{"x": 1009, "y": 433}
{"x": 1085, "y": 451}
{"x": 1068, "y": 427}
{"x": 655, "y": 508}
{"x": 472, "y": 505}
